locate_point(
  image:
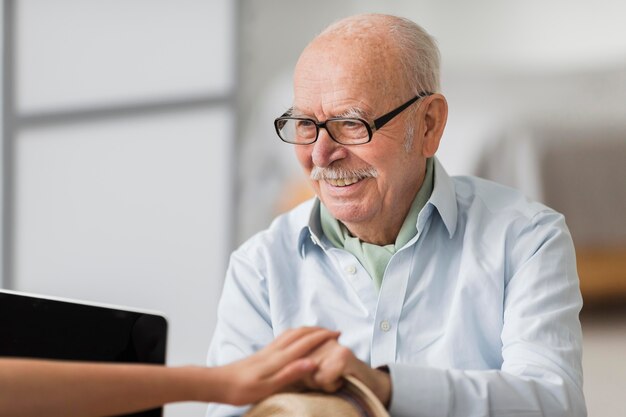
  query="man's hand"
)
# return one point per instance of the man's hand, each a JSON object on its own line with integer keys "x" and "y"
{"x": 273, "y": 368}
{"x": 335, "y": 361}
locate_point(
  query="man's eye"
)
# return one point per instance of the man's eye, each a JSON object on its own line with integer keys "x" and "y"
{"x": 352, "y": 127}
{"x": 305, "y": 124}
{"x": 351, "y": 124}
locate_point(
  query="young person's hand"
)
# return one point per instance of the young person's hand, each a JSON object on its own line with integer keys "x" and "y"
{"x": 272, "y": 369}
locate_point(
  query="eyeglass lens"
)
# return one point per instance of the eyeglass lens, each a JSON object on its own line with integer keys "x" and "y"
{"x": 304, "y": 131}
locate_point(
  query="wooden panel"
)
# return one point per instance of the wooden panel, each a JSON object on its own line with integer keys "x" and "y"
{"x": 602, "y": 273}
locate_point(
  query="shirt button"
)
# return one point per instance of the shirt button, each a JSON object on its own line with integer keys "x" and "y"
{"x": 351, "y": 269}
{"x": 385, "y": 326}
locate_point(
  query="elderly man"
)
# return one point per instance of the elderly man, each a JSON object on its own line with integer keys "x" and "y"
{"x": 454, "y": 296}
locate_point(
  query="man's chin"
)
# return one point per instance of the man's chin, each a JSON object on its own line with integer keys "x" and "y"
{"x": 345, "y": 212}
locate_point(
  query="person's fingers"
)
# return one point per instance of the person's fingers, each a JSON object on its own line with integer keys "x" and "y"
{"x": 332, "y": 386}
{"x": 309, "y": 342}
{"x": 336, "y": 362}
{"x": 316, "y": 383}
{"x": 289, "y": 336}
{"x": 325, "y": 350}
{"x": 291, "y": 373}
{"x": 274, "y": 360}
{"x": 292, "y": 335}
{"x": 328, "y": 373}
{"x": 310, "y": 383}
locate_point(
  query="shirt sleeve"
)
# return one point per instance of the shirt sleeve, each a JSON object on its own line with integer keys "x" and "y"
{"x": 541, "y": 372}
{"x": 243, "y": 321}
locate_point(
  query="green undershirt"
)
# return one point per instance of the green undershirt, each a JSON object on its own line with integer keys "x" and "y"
{"x": 375, "y": 258}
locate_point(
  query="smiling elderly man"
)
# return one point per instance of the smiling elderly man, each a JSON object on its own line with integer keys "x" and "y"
{"x": 455, "y": 296}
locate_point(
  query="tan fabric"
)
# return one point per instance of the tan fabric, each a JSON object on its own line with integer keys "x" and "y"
{"x": 353, "y": 400}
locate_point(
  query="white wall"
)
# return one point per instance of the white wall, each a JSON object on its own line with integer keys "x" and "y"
{"x": 123, "y": 151}
{"x": 128, "y": 212}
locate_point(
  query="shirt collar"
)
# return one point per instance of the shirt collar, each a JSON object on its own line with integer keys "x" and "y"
{"x": 443, "y": 198}
{"x": 312, "y": 232}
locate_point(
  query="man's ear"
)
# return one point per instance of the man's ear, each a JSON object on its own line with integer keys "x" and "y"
{"x": 435, "y": 115}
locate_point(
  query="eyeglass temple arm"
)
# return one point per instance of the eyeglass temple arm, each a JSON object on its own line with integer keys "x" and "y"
{"x": 287, "y": 113}
{"x": 382, "y": 120}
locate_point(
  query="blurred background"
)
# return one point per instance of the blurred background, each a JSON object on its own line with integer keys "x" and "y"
{"x": 138, "y": 146}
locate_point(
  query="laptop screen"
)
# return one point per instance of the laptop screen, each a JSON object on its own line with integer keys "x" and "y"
{"x": 39, "y": 327}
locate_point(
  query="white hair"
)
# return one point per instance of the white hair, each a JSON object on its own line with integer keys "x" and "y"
{"x": 418, "y": 53}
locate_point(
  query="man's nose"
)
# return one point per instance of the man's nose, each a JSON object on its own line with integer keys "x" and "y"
{"x": 326, "y": 150}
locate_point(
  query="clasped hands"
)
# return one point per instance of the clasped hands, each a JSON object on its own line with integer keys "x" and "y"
{"x": 307, "y": 356}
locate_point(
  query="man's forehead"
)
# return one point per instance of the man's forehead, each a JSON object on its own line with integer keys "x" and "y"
{"x": 345, "y": 58}
{"x": 334, "y": 96}
{"x": 337, "y": 76}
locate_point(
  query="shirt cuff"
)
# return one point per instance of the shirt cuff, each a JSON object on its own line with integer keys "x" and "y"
{"x": 418, "y": 391}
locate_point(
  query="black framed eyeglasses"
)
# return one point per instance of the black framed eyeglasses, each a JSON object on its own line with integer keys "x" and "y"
{"x": 343, "y": 130}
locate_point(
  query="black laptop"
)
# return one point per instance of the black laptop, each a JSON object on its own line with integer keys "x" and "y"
{"x": 47, "y": 327}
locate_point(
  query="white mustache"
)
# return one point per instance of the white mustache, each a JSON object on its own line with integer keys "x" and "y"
{"x": 331, "y": 173}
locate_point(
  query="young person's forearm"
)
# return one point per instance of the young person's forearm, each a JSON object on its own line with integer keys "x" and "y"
{"x": 37, "y": 387}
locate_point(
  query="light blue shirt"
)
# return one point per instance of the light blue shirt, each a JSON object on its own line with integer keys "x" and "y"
{"x": 477, "y": 314}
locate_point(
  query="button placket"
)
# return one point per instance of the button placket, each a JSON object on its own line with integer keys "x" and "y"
{"x": 385, "y": 326}
{"x": 389, "y": 309}
{"x": 348, "y": 269}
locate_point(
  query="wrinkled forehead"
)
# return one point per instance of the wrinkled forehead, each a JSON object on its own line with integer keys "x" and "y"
{"x": 335, "y": 74}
